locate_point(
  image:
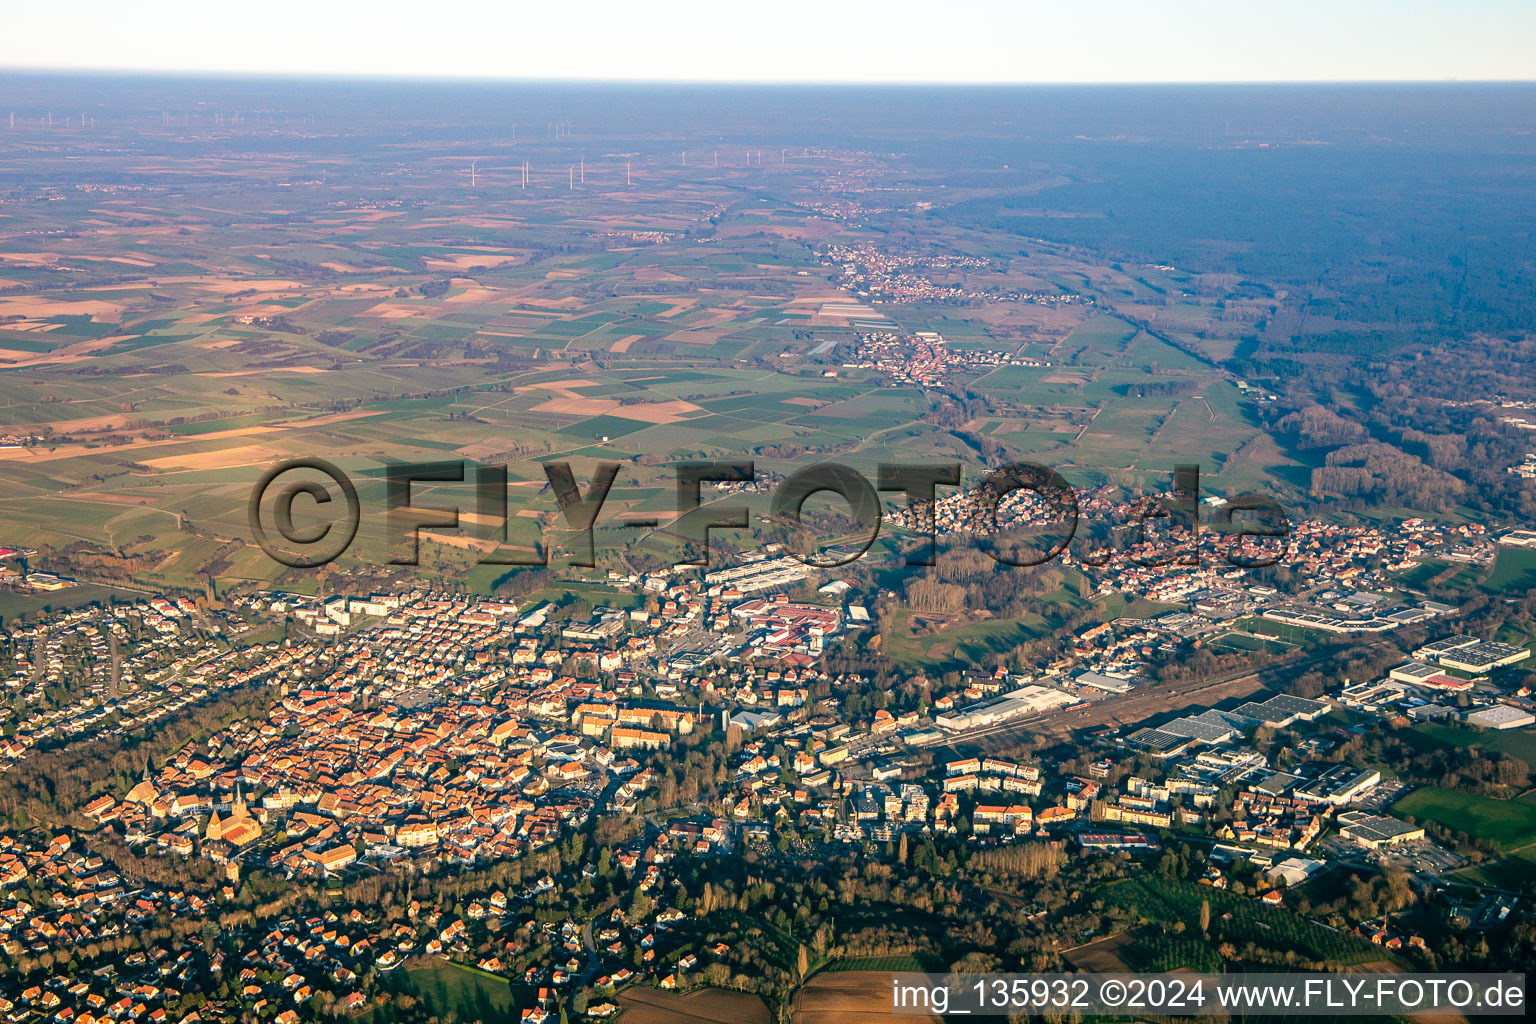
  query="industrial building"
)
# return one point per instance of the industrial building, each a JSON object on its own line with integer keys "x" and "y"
{"x": 1484, "y": 656}
{"x": 1282, "y": 710}
{"x": 1027, "y": 700}
{"x": 1375, "y": 830}
{"x": 1501, "y": 716}
{"x": 1100, "y": 681}
{"x": 1338, "y": 785}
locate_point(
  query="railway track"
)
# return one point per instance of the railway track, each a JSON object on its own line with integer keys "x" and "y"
{"x": 1143, "y": 704}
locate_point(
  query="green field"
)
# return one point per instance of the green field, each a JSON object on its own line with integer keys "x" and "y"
{"x": 1513, "y": 570}
{"x": 1250, "y": 643}
{"x": 878, "y": 963}
{"x": 1519, "y": 743}
{"x": 962, "y": 644}
{"x": 463, "y": 992}
{"x": 1516, "y": 871}
{"x": 1510, "y": 823}
{"x": 14, "y": 603}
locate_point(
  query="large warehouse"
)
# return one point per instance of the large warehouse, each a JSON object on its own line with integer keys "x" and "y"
{"x": 1501, "y": 716}
{"x": 1027, "y": 700}
{"x": 1375, "y": 830}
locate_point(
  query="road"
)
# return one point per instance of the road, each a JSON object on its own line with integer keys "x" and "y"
{"x": 113, "y": 689}
{"x": 593, "y": 961}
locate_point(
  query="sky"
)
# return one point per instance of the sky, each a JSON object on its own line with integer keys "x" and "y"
{"x": 962, "y": 41}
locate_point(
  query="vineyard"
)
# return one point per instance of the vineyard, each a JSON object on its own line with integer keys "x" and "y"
{"x": 1249, "y": 930}
{"x": 1161, "y": 954}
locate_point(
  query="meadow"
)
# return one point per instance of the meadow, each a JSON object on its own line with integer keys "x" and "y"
{"x": 1509, "y": 823}
{"x": 462, "y": 992}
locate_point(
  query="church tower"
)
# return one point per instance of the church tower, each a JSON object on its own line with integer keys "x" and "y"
{"x": 237, "y": 808}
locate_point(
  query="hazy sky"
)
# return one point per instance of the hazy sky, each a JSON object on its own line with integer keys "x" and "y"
{"x": 791, "y": 40}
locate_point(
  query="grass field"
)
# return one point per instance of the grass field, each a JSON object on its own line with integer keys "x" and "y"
{"x": 464, "y": 992}
{"x": 961, "y": 643}
{"x": 1513, "y": 570}
{"x": 1519, "y": 743}
{"x": 14, "y": 603}
{"x": 1248, "y": 642}
{"x": 1516, "y": 871}
{"x": 1510, "y": 823}
{"x": 906, "y": 962}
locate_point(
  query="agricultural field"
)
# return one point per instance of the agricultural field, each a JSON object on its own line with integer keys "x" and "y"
{"x": 702, "y": 1006}
{"x": 862, "y": 996}
{"x": 204, "y": 326}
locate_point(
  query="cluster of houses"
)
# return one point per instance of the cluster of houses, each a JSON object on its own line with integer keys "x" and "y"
{"x": 123, "y": 669}
{"x": 865, "y": 269}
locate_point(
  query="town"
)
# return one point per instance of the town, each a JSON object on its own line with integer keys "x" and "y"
{"x": 411, "y": 733}
{"x": 830, "y": 533}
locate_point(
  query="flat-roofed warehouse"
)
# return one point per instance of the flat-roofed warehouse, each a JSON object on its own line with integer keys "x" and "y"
{"x": 1338, "y": 785}
{"x": 1431, "y": 651}
{"x": 1208, "y": 726}
{"x": 1277, "y": 784}
{"x": 1100, "y": 681}
{"x": 1159, "y": 743}
{"x": 1414, "y": 672}
{"x": 1483, "y": 657}
{"x": 1027, "y": 700}
{"x": 1501, "y": 716}
{"x": 1375, "y": 830}
{"x": 1283, "y": 709}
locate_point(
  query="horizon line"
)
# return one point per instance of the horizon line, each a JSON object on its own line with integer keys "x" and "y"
{"x": 380, "y": 77}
